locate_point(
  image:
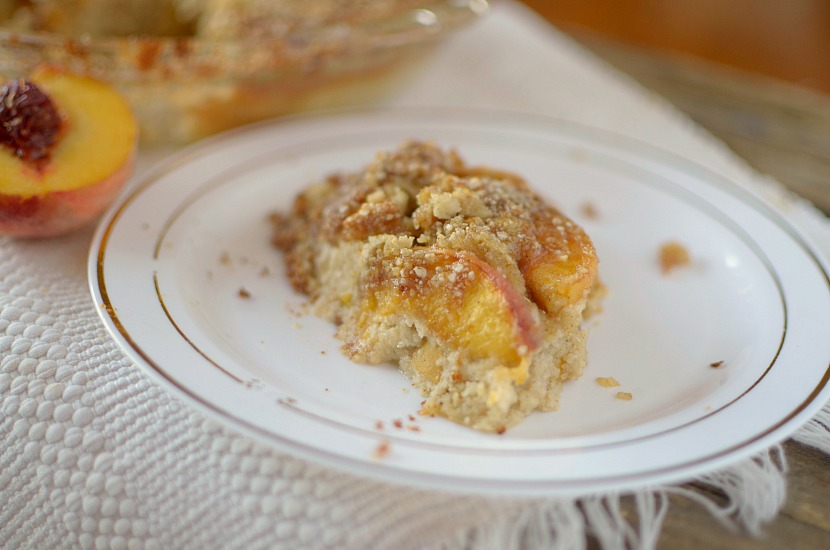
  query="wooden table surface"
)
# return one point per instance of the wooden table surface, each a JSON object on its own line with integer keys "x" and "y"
{"x": 783, "y": 130}
{"x": 780, "y": 127}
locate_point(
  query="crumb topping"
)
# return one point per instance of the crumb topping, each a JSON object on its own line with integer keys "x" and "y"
{"x": 429, "y": 195}
{"x": 609, "y": 382}
{"x": 382, "y": 450}
{"x": 672, "y": 255}
{"x": 589, "y": 210}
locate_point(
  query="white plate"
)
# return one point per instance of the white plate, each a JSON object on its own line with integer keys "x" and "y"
{"x": 169, "y": 261}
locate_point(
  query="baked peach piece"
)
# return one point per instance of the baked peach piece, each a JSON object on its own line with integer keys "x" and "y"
{"x": 461, "y": 276}
{"x": 67, "y": 146}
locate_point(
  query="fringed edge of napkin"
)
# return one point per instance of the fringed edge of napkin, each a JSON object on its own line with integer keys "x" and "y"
{"x": 816, "y": 433}
{"x": 742, "y": 498}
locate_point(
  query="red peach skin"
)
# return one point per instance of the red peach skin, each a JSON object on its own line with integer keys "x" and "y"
{"x": 60, "y": 212}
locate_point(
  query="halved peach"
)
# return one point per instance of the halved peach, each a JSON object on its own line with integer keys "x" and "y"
{"x": 71, "y": 181}
{"x": 465, "y": 302}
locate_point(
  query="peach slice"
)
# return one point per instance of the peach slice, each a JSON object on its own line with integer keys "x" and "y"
{"x": 464, "y": 301}
{"x": 59, "y": 173}
{"x": 562, "y": 270}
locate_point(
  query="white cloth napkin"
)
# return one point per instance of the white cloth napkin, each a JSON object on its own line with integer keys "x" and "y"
{"x": 95, "y": 455}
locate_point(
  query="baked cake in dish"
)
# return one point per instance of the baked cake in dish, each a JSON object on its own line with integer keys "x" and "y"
{"x": 462, "y": 276}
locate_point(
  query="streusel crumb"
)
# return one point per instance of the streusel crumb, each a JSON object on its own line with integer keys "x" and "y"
{"x": 673, "y": 255}
{"x": 608, "y": 382}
